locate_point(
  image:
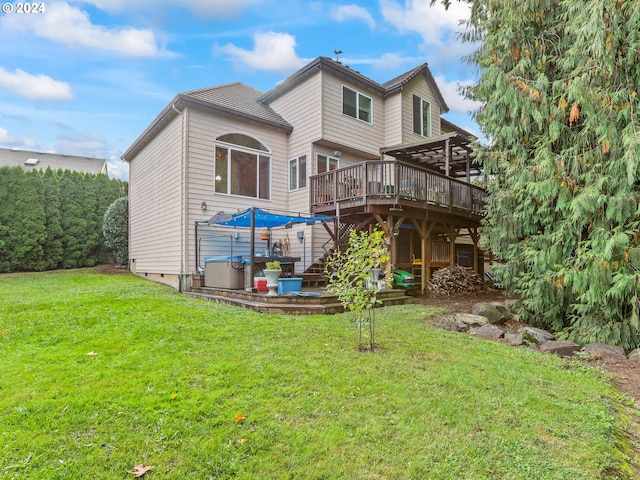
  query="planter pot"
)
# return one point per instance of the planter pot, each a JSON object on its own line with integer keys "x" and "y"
{"x": 272, "y": 281}
{"x": 265, "y": 236}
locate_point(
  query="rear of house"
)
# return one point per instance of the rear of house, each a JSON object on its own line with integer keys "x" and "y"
{"x": 231, "y": 147}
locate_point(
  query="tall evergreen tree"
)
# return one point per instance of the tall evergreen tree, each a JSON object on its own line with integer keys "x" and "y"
{"x": 559, "y": 84}
{"x": 74, "y": 225}
{"x": 53, "y": 250}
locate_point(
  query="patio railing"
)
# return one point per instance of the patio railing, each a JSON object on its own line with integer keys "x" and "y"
{"x": 394, "y": 180}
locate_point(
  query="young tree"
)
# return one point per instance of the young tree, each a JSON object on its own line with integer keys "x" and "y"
{"x": 349, "y": 274}
{"x": 559, "y": 85}
{"x": 115, "y": 229}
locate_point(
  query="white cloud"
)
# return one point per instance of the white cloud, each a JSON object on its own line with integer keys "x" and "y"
{"x": 433, "y": 23}
{"x": 71, "y": 26}
{"x": 393, "y": 61}
{"x": 456, "y": 100}
{"x": 272, "y": 52}
{"x": 348, "y": 12}
{"x": 35, "y": 87}
{"x": 207, "y": 8}
{"x": 9, "y": 141}
{"x": 83, "y": 145}
{"x": 117, "y": 168}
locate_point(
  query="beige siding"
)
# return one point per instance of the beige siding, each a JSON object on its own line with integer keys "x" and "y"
{"x": 393, "y": 119}
{"x": 302, "y": 107}
{"x": 419, "y": 87}
{"x": 345, "y": 130}
{"x": 155, "y": 203}
{"x": 203, "y": 128}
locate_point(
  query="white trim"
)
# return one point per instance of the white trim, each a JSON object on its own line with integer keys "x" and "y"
{"x": 358, "y": 95}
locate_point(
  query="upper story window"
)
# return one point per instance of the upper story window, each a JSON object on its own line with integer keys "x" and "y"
{"x": 421, "y": 116}
{"x": 357, "y": 105}
{"x": 242, "y": 166}
{"x": 298, "y": 172}
{"x": 325, "y": 163}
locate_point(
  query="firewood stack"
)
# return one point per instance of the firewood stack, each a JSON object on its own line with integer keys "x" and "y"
{"x": 448, "y": 280}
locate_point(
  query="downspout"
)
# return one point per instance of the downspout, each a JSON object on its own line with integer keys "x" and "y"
{"x": 183, "y": 196}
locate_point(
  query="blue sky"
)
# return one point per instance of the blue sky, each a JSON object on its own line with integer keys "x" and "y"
{"x": 87, "y": 77}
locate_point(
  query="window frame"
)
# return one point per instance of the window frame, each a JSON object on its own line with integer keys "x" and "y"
{"x": 328, "y": 159}
{"x": 300, "y": 177}
{"x": 358, "y": 95}
{"x": 261, "y": 156}
{"x": 421, "y": 115}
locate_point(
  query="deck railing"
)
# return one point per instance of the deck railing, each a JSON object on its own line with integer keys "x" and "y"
{"x": 394, "y": 180}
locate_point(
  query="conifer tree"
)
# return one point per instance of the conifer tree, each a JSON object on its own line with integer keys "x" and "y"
{"x": 53, "y": 243}
{"x": 74, "y": 224}
{"x": 115, "y": 228}
{"x": 559, "y": 85}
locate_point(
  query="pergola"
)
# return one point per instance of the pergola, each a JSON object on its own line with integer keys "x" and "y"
{"x": 450, "y": 154}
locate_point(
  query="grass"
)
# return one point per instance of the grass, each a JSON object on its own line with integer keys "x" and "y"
{"x": 100, "y": 371}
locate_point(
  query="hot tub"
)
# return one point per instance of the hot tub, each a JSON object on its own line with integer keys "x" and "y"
{"x": 224, "y": 272}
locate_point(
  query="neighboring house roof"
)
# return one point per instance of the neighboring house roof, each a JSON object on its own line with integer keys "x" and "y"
{"x": 39, "y": 160}
{"x": 233, "y": 99}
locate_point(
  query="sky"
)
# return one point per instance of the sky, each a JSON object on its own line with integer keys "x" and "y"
{"x": 86, "y": 77}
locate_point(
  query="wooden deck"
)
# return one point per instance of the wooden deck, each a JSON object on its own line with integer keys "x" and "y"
{"x": 387, "y": 183}
{"x": 322, "y": 304}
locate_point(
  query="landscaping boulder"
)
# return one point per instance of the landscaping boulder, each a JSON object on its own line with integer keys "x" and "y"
{"x": 506, "y": 313}
{"x": 489, "y": 331}
{"x": 494, "y": 316}
{"x": 513, "y": 338}
{"x": 467, "y": 320}
{"x": 563, "y": 348}
{"x": 535, "y": 335}
{"x": 603, "y": 348}
{"x": 634, "y": 355}
{"x": 448, "y": 323}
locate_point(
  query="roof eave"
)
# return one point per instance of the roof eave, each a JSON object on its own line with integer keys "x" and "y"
{"x": 175, "y": 107}
{"x": 195, "y": 102}
{"x": 320, "y": 63}
{"x": 165, "y": 116}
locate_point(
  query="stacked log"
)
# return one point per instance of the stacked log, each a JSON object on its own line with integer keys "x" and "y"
{"x": 455, "y": 279}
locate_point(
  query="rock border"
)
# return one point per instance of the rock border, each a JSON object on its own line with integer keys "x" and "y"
{"x": 488, "y": 321}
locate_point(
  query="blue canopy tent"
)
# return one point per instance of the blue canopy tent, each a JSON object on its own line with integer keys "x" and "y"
{"x": 258, "y": 218}
{"x": 254, "y": 217}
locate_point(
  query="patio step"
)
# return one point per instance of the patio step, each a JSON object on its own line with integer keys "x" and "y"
{"x": 313, "y": 280}
{"x": 288, "y": 304}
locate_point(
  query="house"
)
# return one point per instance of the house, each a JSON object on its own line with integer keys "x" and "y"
{"x": 327, "y": 140}
{"x": 38, "y": 160}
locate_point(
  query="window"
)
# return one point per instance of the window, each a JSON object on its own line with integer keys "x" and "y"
{"x": 298, "y": 172}
{"x": 421, "y": 116}
{"x": 241, "y": 168}
{"x": 357, "y": 105}
{"x": 326, "y": 164}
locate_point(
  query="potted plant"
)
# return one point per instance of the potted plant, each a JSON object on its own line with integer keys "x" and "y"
{"x": 272, "y": 272}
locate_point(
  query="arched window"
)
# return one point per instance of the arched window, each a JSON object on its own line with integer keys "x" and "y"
{"x": 242, "y": 166}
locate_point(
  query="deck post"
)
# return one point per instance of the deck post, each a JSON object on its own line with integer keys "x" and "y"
{"x": 474, "y": 236}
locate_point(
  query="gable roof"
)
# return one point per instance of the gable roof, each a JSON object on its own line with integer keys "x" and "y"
{"x": 233, "y": 99}
{"x": 39, "y": 160}
{"x": 398, "y": 83}
{"x": 241, "y": 101}
{"x": 340, "y": 70}
{"x": 238, "y": 99}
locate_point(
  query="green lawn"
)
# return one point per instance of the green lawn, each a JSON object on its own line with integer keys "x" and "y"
{"x": 167, "y": 376}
